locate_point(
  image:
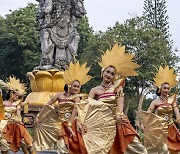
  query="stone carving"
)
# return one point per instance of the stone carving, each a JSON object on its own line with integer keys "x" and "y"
{"x": 59, "y": 37}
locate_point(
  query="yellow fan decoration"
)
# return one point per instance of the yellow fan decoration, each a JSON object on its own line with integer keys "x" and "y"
{"x": 16, "y": 85}
{"x": 165, "y": 75}
{"x": 77, "y": 72}
{"x": 13, "y": 83}
{"x": 121, "y": 61}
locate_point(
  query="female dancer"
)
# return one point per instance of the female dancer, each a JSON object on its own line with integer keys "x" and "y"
{"x": 14, "y": 132}
{"x": 164, "y": 106}
{"x": 75, "y": 76}
{"x": 117, "y": 62}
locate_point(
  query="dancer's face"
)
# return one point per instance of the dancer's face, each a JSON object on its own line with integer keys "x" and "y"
{"x": 109, "y": 74}
{"x": 15, "y": 96}
{"x": 165, "y": 89}
{"x": 75, "y": 87}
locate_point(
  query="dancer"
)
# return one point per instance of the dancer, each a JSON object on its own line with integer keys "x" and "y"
{"x": 115, "y": 63}
{"x": 14, "y": 133}
{"x": 164, "y": 106}
{"x": 70, "y": 139}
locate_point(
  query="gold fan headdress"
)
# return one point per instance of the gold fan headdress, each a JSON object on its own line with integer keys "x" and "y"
{"x": 165, "y": 75}
{"x": 77, "y": 72}
{"x": 121, "y": 61}
{"x": 13, "y": 83}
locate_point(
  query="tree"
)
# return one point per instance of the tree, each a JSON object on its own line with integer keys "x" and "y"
{"x": 155, "y": 13}
{"x": 85, "y": 32}
{"x": 19, "y": 41}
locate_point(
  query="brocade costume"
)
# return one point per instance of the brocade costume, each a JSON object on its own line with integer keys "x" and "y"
{"x": 14, "y": 131}
{"x": 54, "y": 124}
{"x": 165, "y": 110}
{"x": 126, "y": 139}
{"x": 75, "y": 142}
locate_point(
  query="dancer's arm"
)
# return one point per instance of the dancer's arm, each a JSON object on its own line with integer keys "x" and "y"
{"x": 53, "y": 99}
{"x": 50, "y": 102}
{"x": 92, "y": 93}
{"x": 176, "y": 111}
{"x": 151, "y": 107}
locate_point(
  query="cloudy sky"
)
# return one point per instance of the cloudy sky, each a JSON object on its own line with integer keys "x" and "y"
{"x": 104, "y": 13}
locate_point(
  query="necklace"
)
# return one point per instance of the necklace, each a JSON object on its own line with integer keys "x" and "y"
{"x": 164, "y": 99}
{"x": 105, "y": 87}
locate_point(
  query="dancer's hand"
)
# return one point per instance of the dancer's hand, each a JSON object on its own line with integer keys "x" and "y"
{"x": 81, "y": 128}
{"x": 178, "y": 120}
{"x": 84, "y": 127}
{"x": 122, "y": 120}
{"x": 36, "y": 121}
{"x": 144, "y": 129}
{"x": 71, "y": 133}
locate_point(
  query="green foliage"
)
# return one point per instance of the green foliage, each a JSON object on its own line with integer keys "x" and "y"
{"x": 22, "y": 25}
{"x": 19, "y": 41}
{"x": 155, "y": 13}
{"x": 85, "y": 32}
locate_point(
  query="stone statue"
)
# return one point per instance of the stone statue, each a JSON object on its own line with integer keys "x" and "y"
{"x": 59, "y": 37}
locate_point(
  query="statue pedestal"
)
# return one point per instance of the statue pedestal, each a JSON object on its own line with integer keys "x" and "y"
{"x": 39, "y": 98}
{"x": 44, "y": 85}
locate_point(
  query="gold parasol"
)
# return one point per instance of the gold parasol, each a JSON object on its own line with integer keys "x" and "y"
{"x": 100, "y": 126}
{"x": 155, "y": 133}
{"x": 46, "y": 132}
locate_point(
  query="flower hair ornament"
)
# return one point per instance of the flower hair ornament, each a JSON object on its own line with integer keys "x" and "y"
{"x": 77, "y": 72}
{"x": 121, "y": 61}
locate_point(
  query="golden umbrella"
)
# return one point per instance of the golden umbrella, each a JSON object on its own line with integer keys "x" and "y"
{"x": 155, "y": 133}
{"x": 100, "y": 124}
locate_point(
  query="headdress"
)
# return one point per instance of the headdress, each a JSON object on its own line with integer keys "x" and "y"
{"x": 121, "y": 61}
{"x": 14, "y": 84}
{"x": 165, "y": 75}
{"x": 77, "y": 72}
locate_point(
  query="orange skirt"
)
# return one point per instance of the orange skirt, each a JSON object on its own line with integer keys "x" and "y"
{"x": 125, "y": 134}
{"x": 173, "y": 138}
{"x": 75, "y": 143}
{"x": 14, "y": 133}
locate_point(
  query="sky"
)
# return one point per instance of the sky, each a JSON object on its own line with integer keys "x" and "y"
{"x": 104, "y": 13}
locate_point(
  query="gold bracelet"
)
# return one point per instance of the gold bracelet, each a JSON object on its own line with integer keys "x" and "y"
{"x": 69, "y": 124}
{"x": 120, "y": 114}
{"x": 75, "y": 105}
{"x": 174, "y": 106}
{"x": 149, "y": 108}
{"x": 119, "y": 95}
{"x": 37, "y": 116}
{"x": 52, "y": 98}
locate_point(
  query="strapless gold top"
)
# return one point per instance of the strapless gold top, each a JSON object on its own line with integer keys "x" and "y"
{"x": 65, "y": 110}
{"x": 109, "y": 97}
{"x": 66, "y": 107}
{"x": 111, "y": 102}
{"x": 11, "y": 115}
{"x": 166, "y": 112}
